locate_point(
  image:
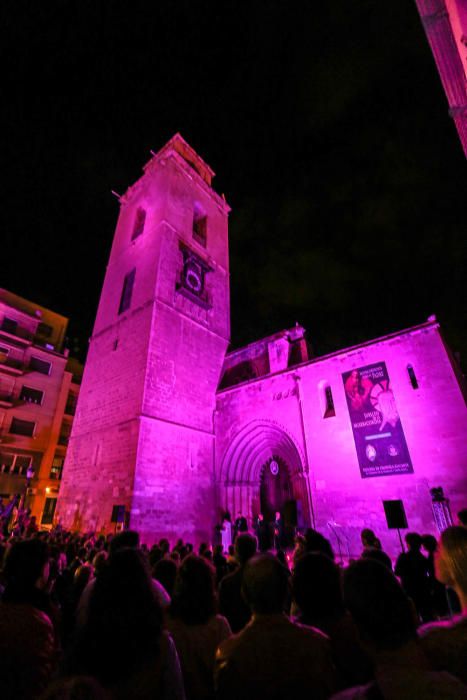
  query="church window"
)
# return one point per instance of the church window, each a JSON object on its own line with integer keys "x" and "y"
{"x": 140, "y": 220}
{"x": 200, "y": 221}
{"x": 412, "y": 377}
{"x": 127, "y": 291}
{"x": 329, "y": 409}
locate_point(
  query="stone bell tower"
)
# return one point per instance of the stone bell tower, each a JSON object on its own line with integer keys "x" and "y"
{"x": 143, "y": 434}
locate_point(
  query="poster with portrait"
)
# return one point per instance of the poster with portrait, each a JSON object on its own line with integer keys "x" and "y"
{"x": 377, "y": 430}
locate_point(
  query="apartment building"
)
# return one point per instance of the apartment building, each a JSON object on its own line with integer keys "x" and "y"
{"x": 39, "y": 385}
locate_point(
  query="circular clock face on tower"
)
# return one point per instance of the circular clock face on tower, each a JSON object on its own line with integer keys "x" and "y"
{"x": 193, "y": 277}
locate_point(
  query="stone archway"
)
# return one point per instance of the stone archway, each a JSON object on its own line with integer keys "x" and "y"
{"x": 239, "y": 476}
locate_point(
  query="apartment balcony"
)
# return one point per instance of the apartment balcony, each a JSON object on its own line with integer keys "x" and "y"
{"x": 6, "y": 399}
{"x": 11, "y": 366}
{"x": 16, "y": 333}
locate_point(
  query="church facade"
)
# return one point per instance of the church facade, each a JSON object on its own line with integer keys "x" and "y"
{"x": 171, "y": 430}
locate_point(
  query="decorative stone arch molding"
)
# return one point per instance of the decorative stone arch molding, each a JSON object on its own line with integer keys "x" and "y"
{"x": 239, "y": 473}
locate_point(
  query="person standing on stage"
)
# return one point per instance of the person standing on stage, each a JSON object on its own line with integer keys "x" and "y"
{"x": 240, "y": 525}
{"x": 278, "y": 530}
{"x": 226, "y": 532}
{"x": 262, "y": 533}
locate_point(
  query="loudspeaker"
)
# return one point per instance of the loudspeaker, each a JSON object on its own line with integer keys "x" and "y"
{"x": 395, "y": 515}
{"x": 118, "y": 514}
{"x": 289, "y": 513}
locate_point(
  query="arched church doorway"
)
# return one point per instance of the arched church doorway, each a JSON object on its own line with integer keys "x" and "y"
{"x": 246, "y": 483}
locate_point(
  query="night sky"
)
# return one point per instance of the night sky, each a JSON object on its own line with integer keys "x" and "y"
{"x": 325, "y": 122}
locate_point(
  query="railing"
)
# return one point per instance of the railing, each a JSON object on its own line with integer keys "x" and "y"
{"x": 17, "y": 331}
{"x": 10, "y": 362}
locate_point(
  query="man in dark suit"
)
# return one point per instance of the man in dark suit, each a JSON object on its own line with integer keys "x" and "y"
{"x": 278, "y": 530}
{"x": 240, "y": 525}
{"x": 262, "y": 533}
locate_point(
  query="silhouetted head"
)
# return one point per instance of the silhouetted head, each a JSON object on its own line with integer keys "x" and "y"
{"x": 379, "y": 606}
{"x": 429, "y": 543}
{"x": 368, "y": 537}
{"x": 316, "y": 587}
{"x": 462, "y": 515}
{"x": 245, "y": 547}
{"x": 193, "y": 599}
{"x": 128, "y": 539}
{"x": 451, "y": 558}
{"x": 124, "y": 621}
{"x": 316, "y": 542}
{"x": 99, "y": 562}
{"x": 265, "y": 583}
{"x": 413, "y": 541}
{"x": 26, "y": 566}
{"x": 165, "y": 571}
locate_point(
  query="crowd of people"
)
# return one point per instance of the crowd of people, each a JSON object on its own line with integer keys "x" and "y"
{"x": 90, "y": 617}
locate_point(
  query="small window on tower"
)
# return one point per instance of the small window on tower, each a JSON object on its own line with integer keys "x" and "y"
{"x": 140, "y": 220}
{"x": 200, "y": 221}
{"x": 412, "y": 377}
{"x": 127, "y": 291}
{"x": 329, "y": 409}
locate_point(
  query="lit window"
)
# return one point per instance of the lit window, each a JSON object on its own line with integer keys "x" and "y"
{"x": 31, "y": 395}
{"x": 140, "y": 220}
{"x": 127, "y": 291}
{"x": 329, "y": 409}
{"x": 200, "y": 224}
{"x": 412, "y": 377}
{"x": 22, "y": 427}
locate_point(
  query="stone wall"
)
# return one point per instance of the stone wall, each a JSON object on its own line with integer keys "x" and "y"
{"x": 433, "y": 416}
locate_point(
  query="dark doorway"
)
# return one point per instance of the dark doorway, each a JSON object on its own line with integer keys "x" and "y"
{"x": 275, "y": 488}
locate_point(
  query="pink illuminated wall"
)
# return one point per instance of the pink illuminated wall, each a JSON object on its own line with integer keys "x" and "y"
{"x": 284, "y": 415}
{"x": 153, "y": 433}
{"x": 143, "y": 433}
